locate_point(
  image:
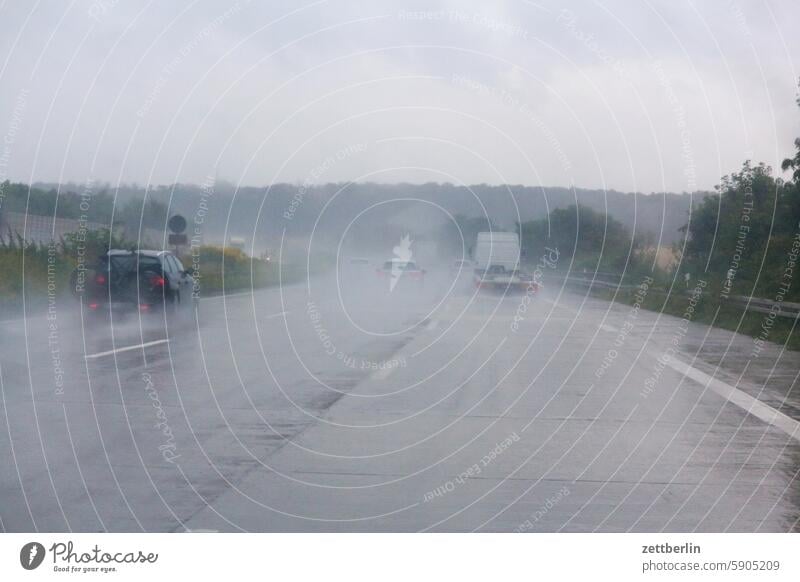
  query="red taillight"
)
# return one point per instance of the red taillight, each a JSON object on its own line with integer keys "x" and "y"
{"x": 100, "y": 279}
{"x": 144, "y": 307}
{"x": 94, "y": 305}
{"x": 157, "y": 281}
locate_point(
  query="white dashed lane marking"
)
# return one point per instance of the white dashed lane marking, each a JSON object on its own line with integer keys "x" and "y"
{"x": 126, "y": 349}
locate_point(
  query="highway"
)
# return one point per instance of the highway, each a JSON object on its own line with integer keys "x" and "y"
{"x": 339, "y": 405}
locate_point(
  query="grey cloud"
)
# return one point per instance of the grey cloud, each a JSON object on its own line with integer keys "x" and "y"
{"x": 500, "y": 92}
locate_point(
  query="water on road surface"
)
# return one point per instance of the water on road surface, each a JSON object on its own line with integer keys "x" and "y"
{"x": 341, "y": 405}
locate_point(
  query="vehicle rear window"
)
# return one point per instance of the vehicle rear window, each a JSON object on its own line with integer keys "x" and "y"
{"x": 169, "y": 262}
{"x": 129, "y": 263}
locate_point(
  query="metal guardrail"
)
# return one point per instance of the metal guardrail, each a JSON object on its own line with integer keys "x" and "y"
{"x": 779, "y": 308}
{"x": 598, "y": 281}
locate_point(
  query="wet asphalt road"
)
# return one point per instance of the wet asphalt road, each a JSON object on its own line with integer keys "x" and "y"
{"x": 331, "y": 408}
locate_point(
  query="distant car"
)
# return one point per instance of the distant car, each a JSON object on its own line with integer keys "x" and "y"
{"x": 136, "y": 280}
{"x": 498, "y": 277}
{"x": 497, "y": 263}
{"x": 399, "y": 270}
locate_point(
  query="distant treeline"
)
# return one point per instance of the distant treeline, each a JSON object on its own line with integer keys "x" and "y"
{"x": 84, "y": 203}
{"x": 744, "y": 239}
{"x": 262, "y": 215}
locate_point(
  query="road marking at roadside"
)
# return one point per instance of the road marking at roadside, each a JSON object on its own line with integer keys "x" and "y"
{"x": 739, "y": 398}
{"x": 278, "y": 314}
{"x": 126, "y": 349}
{"x": 732, "y": 394}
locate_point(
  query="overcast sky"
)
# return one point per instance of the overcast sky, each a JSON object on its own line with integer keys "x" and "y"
{"x": 635, "y": 96}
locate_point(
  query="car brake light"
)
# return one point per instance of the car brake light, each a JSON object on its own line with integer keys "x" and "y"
{"x": 100, "y": 279}
{"x": 144, "y": 307}
{"x": 157, "y": 281}
{"x": 93, "y": 305}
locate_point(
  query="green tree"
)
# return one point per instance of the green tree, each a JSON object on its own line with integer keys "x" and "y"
{"x": 745, "y": 230}
{"x": 459, "y": 235}
{"x": 91, "y": 244}
{"x": 794, "y": 163}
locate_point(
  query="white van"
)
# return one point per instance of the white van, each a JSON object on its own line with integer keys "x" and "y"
{"x": 496, "y": 258}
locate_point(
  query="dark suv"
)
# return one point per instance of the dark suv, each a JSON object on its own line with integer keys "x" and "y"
{"x": 142, "y": 280}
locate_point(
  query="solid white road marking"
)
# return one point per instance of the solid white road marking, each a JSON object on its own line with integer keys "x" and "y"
{"x": 126, "y": 349}
{"x": 733, "y": 395}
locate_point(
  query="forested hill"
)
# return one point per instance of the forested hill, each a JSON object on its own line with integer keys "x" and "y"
{"x": 297, "y": 208}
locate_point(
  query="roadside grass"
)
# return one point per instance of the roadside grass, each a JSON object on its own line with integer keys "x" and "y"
{"x": 44, "y": 273}
{"x": 712, "y": 310}
{"x": 230, "y": 270}
{"x": 29, "y": 272}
